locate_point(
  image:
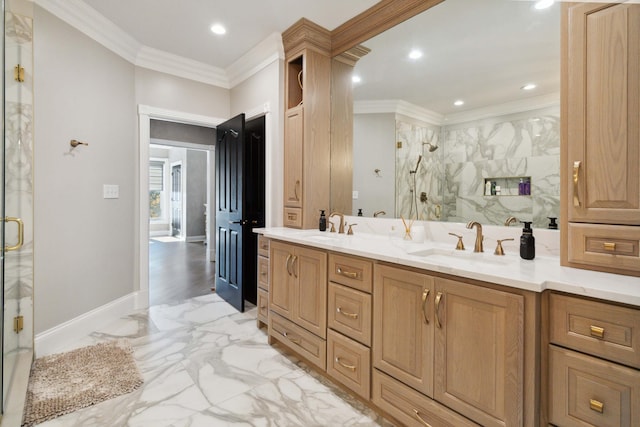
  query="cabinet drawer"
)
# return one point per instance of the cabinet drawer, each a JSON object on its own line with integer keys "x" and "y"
{"x": 354, "y": 272}
{"x": 598, "y": 328}
{"x": 263, "y": 306}
{"x": 292, "y": 217}
{"x": 349, "y": 363}
{"x": 301, "y": 341}
{"x": 585, "y": 391}
{"x": 263, "y": 246}
{"x": 349, "y": 311}
{"x": 410, "y": 407}
{"x": 614, "y": 246}
{"x": 263, "y": 273}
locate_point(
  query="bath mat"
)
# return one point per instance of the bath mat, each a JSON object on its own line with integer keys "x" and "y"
{"x": 65, "y": 382}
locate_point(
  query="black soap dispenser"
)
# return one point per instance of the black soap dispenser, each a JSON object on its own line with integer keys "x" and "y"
{"x": 553, "y": 225}
{"x": 527, "y": 242}
{"x": 322, "y": 224}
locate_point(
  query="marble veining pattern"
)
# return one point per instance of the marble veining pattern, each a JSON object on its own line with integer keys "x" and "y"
{"x": 518, "y": 145}
{"x": 204, "y": 364}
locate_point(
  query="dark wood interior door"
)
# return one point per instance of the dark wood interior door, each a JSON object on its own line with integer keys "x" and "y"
{"x": 229, "y": 211}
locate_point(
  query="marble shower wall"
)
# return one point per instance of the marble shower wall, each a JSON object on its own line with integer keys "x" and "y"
{"x": 427, "y": 178}
{"x": 18, "y": 186}
{"x": 519, "y": 145}
{"x": 523, "y": 144}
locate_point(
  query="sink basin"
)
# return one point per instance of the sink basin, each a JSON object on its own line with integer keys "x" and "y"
{"x": 321, "y": 236}
{"x": 443, "y": 256}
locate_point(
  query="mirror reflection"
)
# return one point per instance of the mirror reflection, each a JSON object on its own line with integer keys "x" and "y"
{"x": 457, "y": 117}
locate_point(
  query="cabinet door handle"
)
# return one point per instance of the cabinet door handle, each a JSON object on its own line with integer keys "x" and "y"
{"x": 293, "y": 266}
{"x": 344, "y": 365}
{"x": 289, "y": 264}
{"x": 419, "y": 417}
{"x": 596, "y": 331}
{"x": 349, "y": 274}
{"x": 425, "y": 295}
{"x": 437, "y": 314}
{"x": 346, "y": 313}
{"x": 576, "y": 178}
{"x": 596, "y": 405}
{"x": 295, "y": 190}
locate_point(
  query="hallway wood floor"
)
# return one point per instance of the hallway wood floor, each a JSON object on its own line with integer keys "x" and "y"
{"x": 178, "y": 271}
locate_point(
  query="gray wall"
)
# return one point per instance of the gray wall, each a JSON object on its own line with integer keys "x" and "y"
{"x": 184, "y": 133}
{"x": 196, "y": 193}
{"x": 376, "y": 136}
{"x": 84, "y": 247}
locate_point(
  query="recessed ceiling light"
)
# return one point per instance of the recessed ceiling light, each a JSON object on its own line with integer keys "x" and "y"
{"x": 529, "y": 86}
{"x": 356, "y": 79}
{"x": 218, "y": 29}
{"x": 415, "y": 54}
{"x": 543, "y": 4}
{"x": 458, "y": 103}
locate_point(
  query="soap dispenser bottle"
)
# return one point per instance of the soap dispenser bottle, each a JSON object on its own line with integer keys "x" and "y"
{"x": 322, "y": 224}
{"x": 527, "y": 242}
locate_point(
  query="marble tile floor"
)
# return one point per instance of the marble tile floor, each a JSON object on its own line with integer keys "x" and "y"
{"x": 205, "y": 364}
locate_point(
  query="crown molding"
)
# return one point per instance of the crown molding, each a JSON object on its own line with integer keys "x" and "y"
{"x": 526, "y": 104}
{"x": 180, "y": 66}
{"x": 87, "y": 20}
{"x": 398, "y": 106}
{"x": 94, "y": 25}
{"x": 261, "y": 55}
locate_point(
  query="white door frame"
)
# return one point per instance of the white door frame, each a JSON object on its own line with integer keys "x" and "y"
{"x": 145, "y": 114}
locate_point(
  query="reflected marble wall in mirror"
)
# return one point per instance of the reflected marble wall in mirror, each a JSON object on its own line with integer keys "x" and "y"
{"x": 482, "y": 53}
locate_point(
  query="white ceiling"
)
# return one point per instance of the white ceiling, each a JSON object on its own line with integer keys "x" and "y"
{"x": 478, "y": 51}
{"x": 182, "y": 27}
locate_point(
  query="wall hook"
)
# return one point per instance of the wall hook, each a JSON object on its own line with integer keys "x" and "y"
{"x": 74, "y": 143}
{"x": 377, "y": 171}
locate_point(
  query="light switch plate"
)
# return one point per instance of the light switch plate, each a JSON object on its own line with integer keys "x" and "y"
{"x": 111, "y": 191}
{"x": 355, "y": 195}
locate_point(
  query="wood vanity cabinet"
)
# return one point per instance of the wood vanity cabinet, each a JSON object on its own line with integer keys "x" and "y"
{"x": 263, "y": 280}
{"x": 601, "y": 137}
{"x": 594, "y": 363}
{"x": 460, "y": 344}
{"x": 298, "y": 299}
{"x": 307, "y": 126}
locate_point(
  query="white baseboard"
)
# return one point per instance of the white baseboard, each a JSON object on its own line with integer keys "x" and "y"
{"x": 61, "y": 336}
{"x": 191, "y": 239}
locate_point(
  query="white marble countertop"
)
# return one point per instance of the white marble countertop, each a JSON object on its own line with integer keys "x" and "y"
{"x": 544, "y": 272}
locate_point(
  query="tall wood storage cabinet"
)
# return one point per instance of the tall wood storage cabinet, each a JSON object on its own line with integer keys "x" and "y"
{"x": 307, "y": 127}
{"x": 601, "y": 137}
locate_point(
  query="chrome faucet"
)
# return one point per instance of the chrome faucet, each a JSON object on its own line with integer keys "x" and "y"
{"x": 341, "y": 226}
{"x": 479, "y": 237}
{"x": 378, "y": 213}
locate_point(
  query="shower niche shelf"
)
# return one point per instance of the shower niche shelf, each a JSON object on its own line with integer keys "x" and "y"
{"x": 507, "y": 186}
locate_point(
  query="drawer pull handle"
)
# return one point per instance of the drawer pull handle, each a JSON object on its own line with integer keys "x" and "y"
{"x": 597, "y": 331}
{"x": 419, "y": 417}
{"x": 346, "y": 313}
{"x": 576, "y": 172}
{"x": 596, "y": 405}
{"x": 292, "y": 339}
{"x": 425, "y": 295}
{"x": 349, "y": 274}
{"x": 437, "y": 315}
{"x": 609, "y": 246}
{"x": 344, "y": 365}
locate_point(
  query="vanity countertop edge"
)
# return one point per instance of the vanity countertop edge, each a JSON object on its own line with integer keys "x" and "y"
{"x": 542, "y": 273}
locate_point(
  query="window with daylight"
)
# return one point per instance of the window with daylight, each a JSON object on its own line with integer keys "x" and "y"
{"x": 157, "y": 193}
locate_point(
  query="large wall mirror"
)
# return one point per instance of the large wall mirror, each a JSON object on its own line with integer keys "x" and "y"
{"x": 420, "y": 154}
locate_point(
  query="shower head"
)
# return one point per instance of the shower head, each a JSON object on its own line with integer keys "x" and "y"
{"x": 432, "y": 148}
